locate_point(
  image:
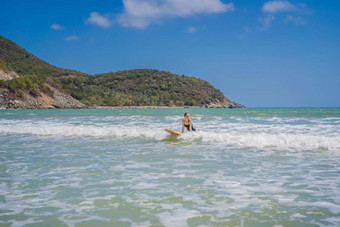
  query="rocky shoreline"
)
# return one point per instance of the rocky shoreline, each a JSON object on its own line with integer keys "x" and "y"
{"x": 25, "y": 100}
{"x": 60, "y": 100}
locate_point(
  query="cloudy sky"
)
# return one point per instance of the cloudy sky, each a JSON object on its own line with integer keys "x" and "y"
{"x": 259, "y": 53}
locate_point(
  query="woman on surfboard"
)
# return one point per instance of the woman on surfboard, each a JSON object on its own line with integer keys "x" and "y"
{"x": 187, "y": 123}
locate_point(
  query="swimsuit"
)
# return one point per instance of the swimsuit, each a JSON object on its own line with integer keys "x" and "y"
{"x": 188, "y": 127}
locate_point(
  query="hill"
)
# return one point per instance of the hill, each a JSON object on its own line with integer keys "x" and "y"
{"x": 28, "y": 82}
{"x": 21, "y": 71}
{"x": 142, "y": 87}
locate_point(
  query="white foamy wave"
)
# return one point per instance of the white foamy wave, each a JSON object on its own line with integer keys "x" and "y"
{"x": 279, "y": 141}
{"x": 276, "y": 137}
{"x": 78, "y": 130}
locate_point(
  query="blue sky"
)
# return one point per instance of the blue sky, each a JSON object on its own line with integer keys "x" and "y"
{"x": 258, "y": 53}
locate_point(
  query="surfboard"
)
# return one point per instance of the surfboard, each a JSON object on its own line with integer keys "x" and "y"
{"x": 172, "y": 132}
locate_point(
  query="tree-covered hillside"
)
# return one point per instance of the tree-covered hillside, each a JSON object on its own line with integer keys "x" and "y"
{"x": 15, "y": 58}
{"x": 139, "y": 87}
{"x": 33, "y": 72}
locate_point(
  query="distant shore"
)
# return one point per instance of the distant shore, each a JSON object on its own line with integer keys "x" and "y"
{"x": 150, "y": 107}
{"x": 59, "y": 100}
{"x": 128, "y": 107}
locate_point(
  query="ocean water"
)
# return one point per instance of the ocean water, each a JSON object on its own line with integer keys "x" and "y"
{"x": 118, "y": 167}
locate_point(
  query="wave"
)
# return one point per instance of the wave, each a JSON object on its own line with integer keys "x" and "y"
{"x": 281, "y": 141}
{"x": 296, "y": 137}
{"x": 76, "y": 130}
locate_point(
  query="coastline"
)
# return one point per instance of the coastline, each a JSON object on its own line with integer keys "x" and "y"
{"x": 60, "y": 100}
{"x": 152, "y": 107}
{"x": 124, "y": 107}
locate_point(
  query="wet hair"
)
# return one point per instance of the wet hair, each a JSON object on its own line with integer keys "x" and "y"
{"x": 185, "y": 114}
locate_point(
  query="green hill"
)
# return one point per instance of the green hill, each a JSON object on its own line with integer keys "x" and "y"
{"x": 141, "y": 87}
{"x": 138, "y": 87}
{"x": 13, "y": 57}
{"x": 33, "y": 72}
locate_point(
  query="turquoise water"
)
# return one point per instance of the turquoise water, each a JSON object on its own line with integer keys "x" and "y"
{"x": 117, "y": 167}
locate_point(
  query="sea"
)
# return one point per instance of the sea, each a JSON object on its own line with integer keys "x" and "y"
{"x": 118, "y": 167}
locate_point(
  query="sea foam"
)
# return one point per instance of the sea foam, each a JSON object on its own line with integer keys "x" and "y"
{"x": 283, "y": 136}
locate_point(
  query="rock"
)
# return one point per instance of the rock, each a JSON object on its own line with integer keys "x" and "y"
{"x": 42, "y": 101}
{"x": 56, "y": 107}
{"x": 226, "y": 103}
{"x": 6, "y": 74}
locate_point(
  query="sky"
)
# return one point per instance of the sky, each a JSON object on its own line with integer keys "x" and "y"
{"x": 258, "y": 53}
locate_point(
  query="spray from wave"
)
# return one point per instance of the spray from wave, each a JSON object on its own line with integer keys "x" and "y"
{"x": 276, "y": 137}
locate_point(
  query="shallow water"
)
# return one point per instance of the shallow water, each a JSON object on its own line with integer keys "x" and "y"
{"x": 245, "y": 167}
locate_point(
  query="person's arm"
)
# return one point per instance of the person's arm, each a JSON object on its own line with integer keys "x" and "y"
{"x": 182, "y": 126}
{"x": 190, "y": 125}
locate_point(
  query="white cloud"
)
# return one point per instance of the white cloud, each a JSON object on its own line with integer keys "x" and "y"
{"x": 266, "y": 22}
{"x": 296, "y": 20}
{"x": 56, "y": 27}
{"x": 99, "y": 20}
{"x": 278, "y": 6}
{"x": 192, "y": 29}
{"x": 141, "y": 13}
{"x": 70, "y": 38}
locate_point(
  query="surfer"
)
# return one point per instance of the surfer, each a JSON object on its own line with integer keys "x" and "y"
{"x": 187, "y": 123}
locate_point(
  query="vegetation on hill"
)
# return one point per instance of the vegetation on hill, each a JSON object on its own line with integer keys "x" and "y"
{"x": 13, "y": 57}
{"x": 141, "y": 87}
{"x": 33, "y": 71}
{"x": 138, "y": 87}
